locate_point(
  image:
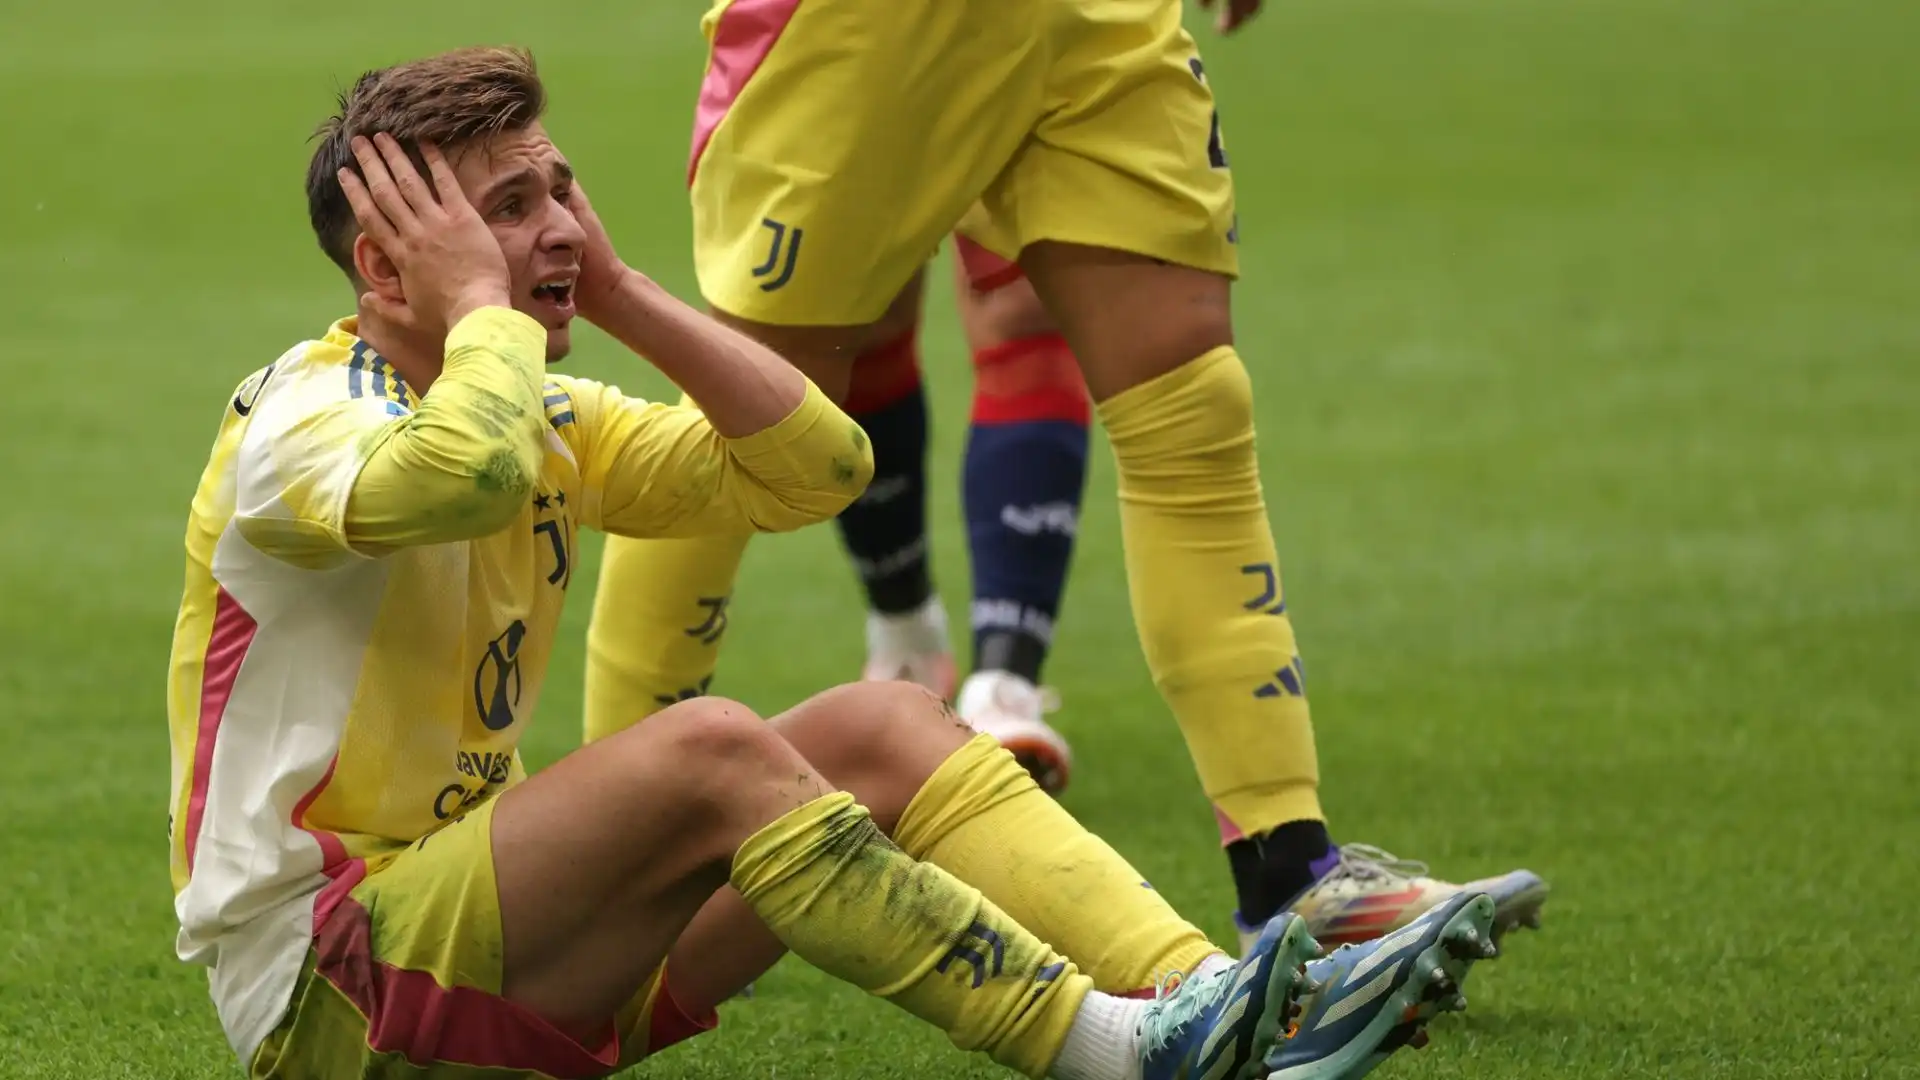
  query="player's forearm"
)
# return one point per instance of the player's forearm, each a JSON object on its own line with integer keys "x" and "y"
{"x": 462, "y": 464}
{"x": 743, "y": 386}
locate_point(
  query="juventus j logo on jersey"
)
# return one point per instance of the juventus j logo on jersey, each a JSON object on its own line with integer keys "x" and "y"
{"x": 783, "y": 251}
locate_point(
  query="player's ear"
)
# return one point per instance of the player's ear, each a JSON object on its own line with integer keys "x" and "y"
{"x": 376, "y": 271}
{"x": 378, "y": 281}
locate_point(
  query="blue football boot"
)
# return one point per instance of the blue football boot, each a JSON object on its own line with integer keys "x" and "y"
{"x": 1226, "y": 1023}
{"x": 1370, "y": 999}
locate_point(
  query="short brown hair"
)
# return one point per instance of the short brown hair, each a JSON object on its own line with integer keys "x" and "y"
{"x": 465, "y": 94}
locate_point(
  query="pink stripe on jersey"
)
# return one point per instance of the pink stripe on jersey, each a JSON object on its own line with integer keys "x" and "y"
{"x": 744, "y": 35}
{"x": 227, "y": 645}
{"x": 332, "y": 851}
{"x": 349, "y": 877}
{"x": 1229, "y": 832}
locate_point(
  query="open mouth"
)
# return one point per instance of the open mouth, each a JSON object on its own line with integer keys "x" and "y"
{"x": 556, "y": 297}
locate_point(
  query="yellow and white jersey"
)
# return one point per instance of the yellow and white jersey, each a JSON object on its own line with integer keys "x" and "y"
{"x": 373, "y": 581}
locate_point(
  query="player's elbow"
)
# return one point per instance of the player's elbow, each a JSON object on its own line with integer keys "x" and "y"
{"x": 492, "y": 490}
{"x": 399, "y": 503}
{"x": 486, "y": 512}
{"x": 817, "y": 493}
{"x": 836, "y": 486}
{"x": 852, "y": 474}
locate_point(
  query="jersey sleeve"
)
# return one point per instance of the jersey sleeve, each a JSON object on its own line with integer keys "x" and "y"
{"x": 325, "y": 474}
{"x": 654, "y": 470}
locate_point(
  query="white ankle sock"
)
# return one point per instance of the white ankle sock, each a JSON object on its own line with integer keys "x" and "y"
{"x": 1102, "y": 1044}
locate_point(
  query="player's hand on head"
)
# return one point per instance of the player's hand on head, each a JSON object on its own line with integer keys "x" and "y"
{"x": 448, "y": 260}
{"x": 600, "y": 266}
{"x": 1231, "y": 15}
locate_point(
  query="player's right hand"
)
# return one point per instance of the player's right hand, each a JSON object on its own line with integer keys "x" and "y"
{"x": 448, "y": 260}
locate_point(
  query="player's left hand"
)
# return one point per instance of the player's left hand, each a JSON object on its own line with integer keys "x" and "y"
{"x": 1231, "y": 15}
{"x": 600, "y": 267}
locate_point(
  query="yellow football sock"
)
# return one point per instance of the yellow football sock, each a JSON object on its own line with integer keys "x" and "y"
{"x": 658, "y": 614}
{"x": 842, "y": 897}
{"x": 1205, "y": 585}
{"x": 981, "y": 818}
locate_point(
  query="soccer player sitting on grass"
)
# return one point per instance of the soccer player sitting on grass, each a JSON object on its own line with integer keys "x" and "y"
{"x": 377, "y": 556}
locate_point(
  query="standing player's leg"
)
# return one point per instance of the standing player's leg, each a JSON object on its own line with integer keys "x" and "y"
{"x": 660, "y": 607}
{"x": 836, "y": 142}
{"x": 1202, "y": 571}
{"x": 1133, "y": 247}
{"x": 885, "y": 530}
{"x": 1024, "y": 474}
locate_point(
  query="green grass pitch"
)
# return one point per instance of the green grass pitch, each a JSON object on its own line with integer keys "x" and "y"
{"x": 1586, "y": 336}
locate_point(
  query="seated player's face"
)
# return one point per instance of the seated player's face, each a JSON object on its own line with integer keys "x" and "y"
{"x": 519, "y": 183}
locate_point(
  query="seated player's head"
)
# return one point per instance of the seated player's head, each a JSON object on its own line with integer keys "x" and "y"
{"x": 482, "y": 106}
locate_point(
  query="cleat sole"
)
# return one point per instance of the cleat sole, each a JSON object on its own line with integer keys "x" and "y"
{"x": 1459, "y": 948}
{"x": 1520, "y": 912}
{"x": 1291, "y": 953}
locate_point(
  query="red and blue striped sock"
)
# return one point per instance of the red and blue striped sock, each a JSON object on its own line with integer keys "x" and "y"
{"x": 1025, "y": 473}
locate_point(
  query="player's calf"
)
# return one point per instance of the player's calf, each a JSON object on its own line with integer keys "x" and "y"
{"x": 885, "y": 530}
{"x": 956, "y": 799}
{"x": 1156, "y": 343}
{"x": 1024, "y": 476}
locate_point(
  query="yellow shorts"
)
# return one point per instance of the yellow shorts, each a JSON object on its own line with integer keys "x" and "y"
{"x": 837, "y": 141}
{"x": 403, "y": 980}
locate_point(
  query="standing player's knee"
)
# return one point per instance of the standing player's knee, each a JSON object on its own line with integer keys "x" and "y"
{"x": 1131, "y": 318}
{"x": 1198, "y": 425}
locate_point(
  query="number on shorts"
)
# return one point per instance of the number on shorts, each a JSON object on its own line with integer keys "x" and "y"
{"x": 1216, "y": 153}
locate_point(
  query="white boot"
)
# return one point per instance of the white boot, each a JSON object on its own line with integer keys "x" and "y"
{"x": 1012, "y": 710}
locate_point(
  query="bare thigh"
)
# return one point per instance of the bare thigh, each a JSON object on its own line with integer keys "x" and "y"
{"x": 1129, "y": 318}
{"x": 602, "y": 859}
{"x": 825, "y": 354}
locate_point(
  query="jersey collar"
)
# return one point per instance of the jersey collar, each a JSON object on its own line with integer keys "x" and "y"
{"x": 344, "y": 333}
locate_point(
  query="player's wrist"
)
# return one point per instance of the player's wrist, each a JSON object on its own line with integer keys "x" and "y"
{"x": 621, "y": 304}
{"x": 473, "y": 298}
{"x": 624, "y": 283}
